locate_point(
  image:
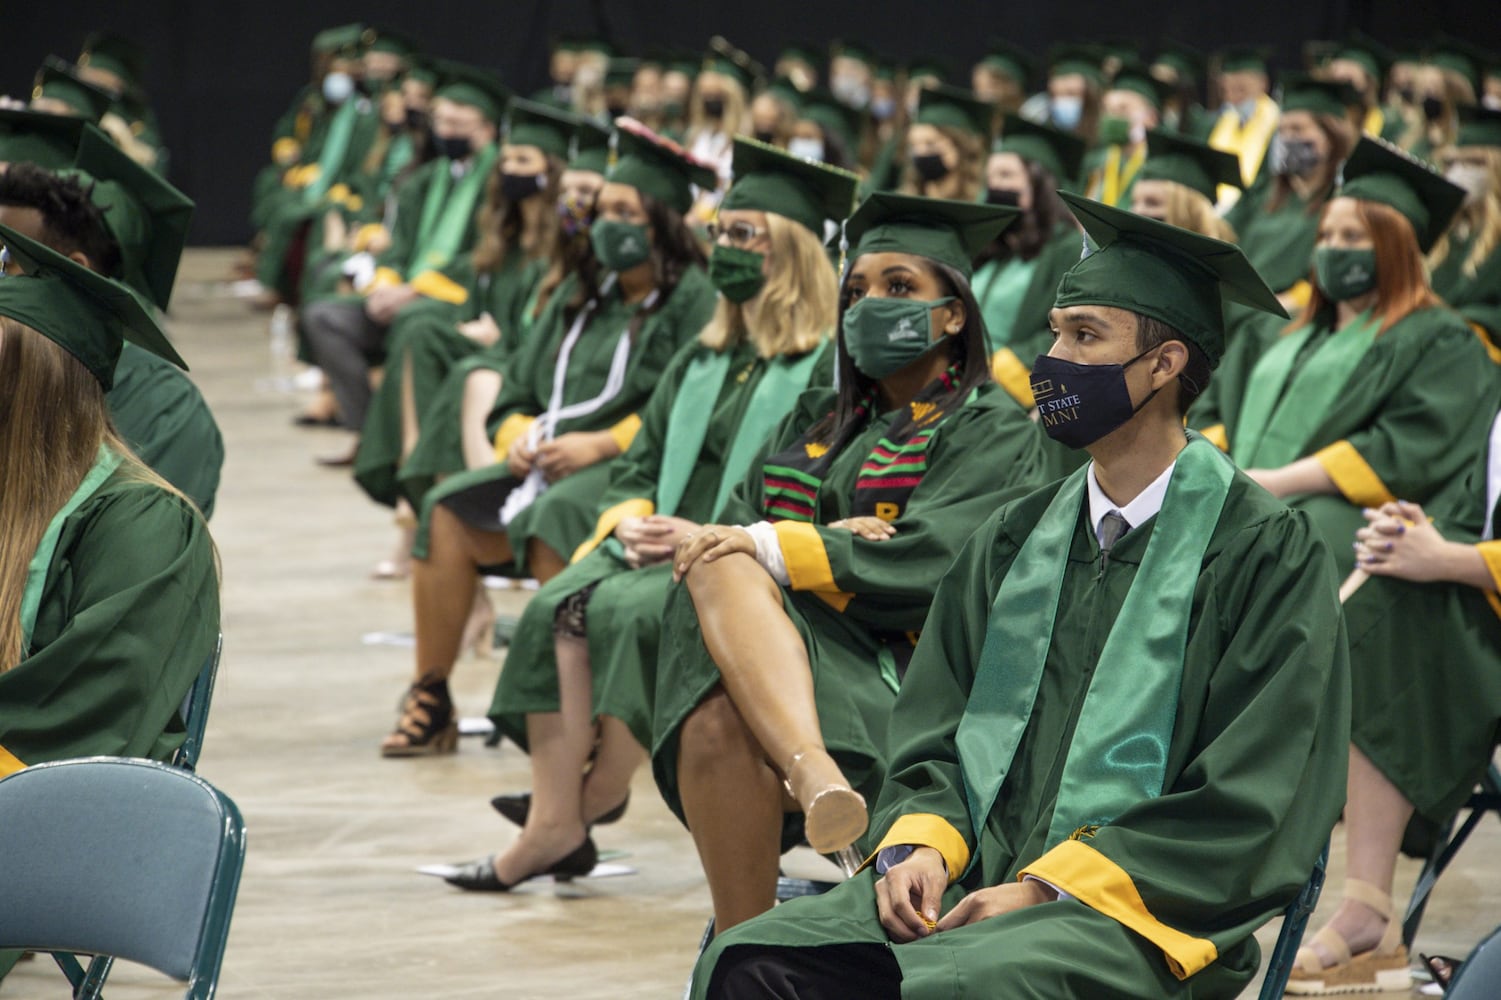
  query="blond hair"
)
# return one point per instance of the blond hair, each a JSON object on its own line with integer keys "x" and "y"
{"x": 736, "y": 108}
{"x": 1481, "y": 218}
{"x": 971, "y": 166}
{"x": 53, "y": 420}
{"x": 798, "y": 307}
{"x": 1191, "y": 210}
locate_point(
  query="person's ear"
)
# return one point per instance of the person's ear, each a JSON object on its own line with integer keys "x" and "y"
{"x": 952, "y": 317}
{"x": 1172, "y": 359}
{"x": 81, "y": 259}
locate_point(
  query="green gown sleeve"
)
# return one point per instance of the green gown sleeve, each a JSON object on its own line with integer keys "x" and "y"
{"x": 129, "y": 615}
{"x": 162, "y": 416}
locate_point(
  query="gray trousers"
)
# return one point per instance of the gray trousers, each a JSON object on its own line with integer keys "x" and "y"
{"x": 346, "y": 344}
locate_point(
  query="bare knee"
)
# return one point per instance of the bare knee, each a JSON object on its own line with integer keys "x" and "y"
{"x": 727, "y": 575}
{"x": 714, "y": 732}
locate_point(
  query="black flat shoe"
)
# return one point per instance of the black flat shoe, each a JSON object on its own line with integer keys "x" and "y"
{"x": 479, "y": 876}
{"x": 309, "y": 420}
{"x": 516, "y": 807}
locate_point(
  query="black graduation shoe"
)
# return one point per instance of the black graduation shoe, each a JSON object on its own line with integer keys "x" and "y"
{"x": 479, "y": 876}
{"x": 518, "y": 805}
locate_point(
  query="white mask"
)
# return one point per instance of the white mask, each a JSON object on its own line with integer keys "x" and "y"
{"x": 807, "y": 149}
{"x": 1473, "y": 177}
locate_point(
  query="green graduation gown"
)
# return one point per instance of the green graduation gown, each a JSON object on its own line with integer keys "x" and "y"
{"x": 1278, "y": 242}
{"x": 1167, "y": 895}
{"x": 160, "y": 413}
{"x": 1409, "y": 420}
{"x": 856, "y": 603}
{"x": 1015, "y": 348}
{"x": 563, "y": 516}
{"x": 1476, "y": 296}
{"x": 424, "y": 340}
{"x": 129, "y": 614}
{"x": 625, "y": 610}
{"x": 1425, "y": 664}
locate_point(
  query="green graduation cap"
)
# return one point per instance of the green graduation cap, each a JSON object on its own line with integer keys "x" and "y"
{"x": 1189, "y": 63}
{"x": 621, "y": 72}
{"x": 393, "y": 41}
{"x": 422, "y": 68}
{"x": 1136, "y": 79}
{"x": 116, "y": 54}
{"x": 1478, "y": 126}
{"x": 1361, "y": 48}
{"x": 949, "y": 232}
{"x": 88, "y": 315}
{"x": 854, "y": 49}
{"x": 332, "y": 40}
{"x": 1245, "y": 59}
{"x": 1380, "y": 172}
{"x": 803, "y": 52}
{"x": 475, "y": 87}
{"x": 1158, "y": 270}
{"x": 1171, "y": 157}
{"x": 1459, "y": 56}
{"x": 1080, "y": 60}
{"x": 47, "y": 140}
{"x": 658, "y": 167}
{"x": 147, "y": 216}
{"x": 928, "y": 68}
{"x": 784, "y": 89}
{"x": 1059, "y": 152}
{"x": 829, "y": 113}
{"x": 1009, "y": 60}
{"x": 686, "y": 63}
{"x": 1301, "y": 92}
{"x": 955, "y": 108}
{"x": 772, "y": 180}
{"x": 529, "y": 123}
{"x": 58, "y": 80}
{"x": 589, "y": 146}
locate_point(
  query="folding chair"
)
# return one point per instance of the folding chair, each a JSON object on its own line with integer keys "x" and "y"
{"x": 1487, "y": 799}
{"x": 1294, "y": 923}
{"x": 119, "y": 857}
{"x": 1480, "y": 972}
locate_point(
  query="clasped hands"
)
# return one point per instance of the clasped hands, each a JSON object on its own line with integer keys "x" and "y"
{"x": 561, "y": 456}
{"x": 910, "y": 895}
{"x": 717, "y": 540}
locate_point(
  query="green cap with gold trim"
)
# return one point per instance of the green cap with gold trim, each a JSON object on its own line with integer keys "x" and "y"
{"x": 656, "y": 166}
{"x": 88, "y": 315}
{"x": 58, "y": 80}
{"x": 949, "y": 232}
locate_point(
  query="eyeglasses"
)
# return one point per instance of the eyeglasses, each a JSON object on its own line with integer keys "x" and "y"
{"x": 738, "y": 233}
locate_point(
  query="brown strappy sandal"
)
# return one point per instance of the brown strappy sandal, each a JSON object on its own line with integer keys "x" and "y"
{"x": 1383, "y": 969}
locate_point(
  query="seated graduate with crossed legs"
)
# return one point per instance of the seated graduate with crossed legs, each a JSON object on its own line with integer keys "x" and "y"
{"x": 1120, "y": 746}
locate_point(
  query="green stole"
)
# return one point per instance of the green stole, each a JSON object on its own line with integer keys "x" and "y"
{"x": 1283, "y": 408}
{"x": 1007, "y": 283}
{"x": 398, "y": 155}
{"x": 36, "y": 571}
{"x": 335, "y": 148}
{"x": 783, "y": 381}
{"x": 1118, "y": 756}
{"x": 447, "y": 217}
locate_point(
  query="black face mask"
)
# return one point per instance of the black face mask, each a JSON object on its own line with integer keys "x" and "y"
{"x": 455, "y": 148}
{"x": 714, "y": 107}
{"x": 416, "y": 119}
{"x": 1407, "y": 94}
{"x": 1079, "y": 404}
{"x": 1003, "y": 196}
{"x": 615, "y": 110}
{"x": 766, "y": 137}
{"x": 519, "y": 187}
{"x": 930, "y": 167}
{"x": 1433, "y": 108}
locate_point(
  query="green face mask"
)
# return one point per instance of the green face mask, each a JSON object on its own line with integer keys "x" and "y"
{"x": 736, "y": 272}
{"x": 619, "y": 246}
{"x": 1344, "y": 274}
{"x": 884, "y": 335}
{"x": 1115, "y": 131}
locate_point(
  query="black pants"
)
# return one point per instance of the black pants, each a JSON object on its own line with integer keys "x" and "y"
{"x": 346, "y": 344}
{"x": 829, "y": 972}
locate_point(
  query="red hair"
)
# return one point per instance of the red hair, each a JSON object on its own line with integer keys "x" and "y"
{"x": 1402, "y": 285}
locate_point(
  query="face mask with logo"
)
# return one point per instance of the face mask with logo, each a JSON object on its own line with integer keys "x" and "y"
{"x": 455, "y": 147}
{"x": 1294, "y": 157}
{"x": 1115, "y": 130}
{"x": 1066, "y": 112}
{"x": 1473, "y": 177}
{"x": 1344, "y": 273}
{"x": 883, "y": 336}
{"x": 337, "y": 87}
{"x": 930, "y": 167}
{"x": 807, "y": 149}
{"x": 519, "y": 187}
{"x": 1079, "y": 404}
{"x": 619, "y": 245}
{"x": 573, "y": 214}
{"x": 1003, "y": 196}
{"x": 736, "y": 272}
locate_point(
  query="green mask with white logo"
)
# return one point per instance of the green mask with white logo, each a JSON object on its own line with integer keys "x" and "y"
{"x": 619, "y": 246}
{"x": 1344, "y": 274}
{"x": 885, "y": 335}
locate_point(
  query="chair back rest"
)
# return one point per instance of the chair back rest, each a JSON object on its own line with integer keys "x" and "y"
{"x": 1478, "y": 976}
{"x": 194, "y": 710}
{"x": 122, "y": 857}
{"x": 1294, "y": 922}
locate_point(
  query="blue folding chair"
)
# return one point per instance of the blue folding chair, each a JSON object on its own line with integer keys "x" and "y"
{"x": 119, "y": 857}
{"x": 1294, "y": 923}
{"x": 1486, "y": 799}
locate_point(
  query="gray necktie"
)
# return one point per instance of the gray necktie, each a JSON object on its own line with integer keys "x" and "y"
{"x": 1112, "y": 527}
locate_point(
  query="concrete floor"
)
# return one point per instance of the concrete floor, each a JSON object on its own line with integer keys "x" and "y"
{"x": 331, "y": 905}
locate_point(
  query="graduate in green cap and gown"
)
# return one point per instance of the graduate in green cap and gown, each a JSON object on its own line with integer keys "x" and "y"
{"x": 48, "y": 140}
{"x": 1120, "y": 746}
{"x": 486, "y": 299}
{"x": 1465, "y": 262}
{"x": 434, "y": 225}
{"x": 117, "y": 65}
{"x": 1362, "y": 62}
{"x": 1131, "y": 106}
{"x": 1277, "y": 220}
{"x": 582, "y": 664}
{"x": 121, "y": 219}
{"x": 784, "y": 646}
{"x": 1248, "y": 119}
{"x": 109, "y": 597}
{"x": 946, "y": 145}
{"x": 571, "y": 402}
{"x": 1001, "y": 76}
{"x": 1354, "y": 405}
{"x": 1017, "y": 277}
